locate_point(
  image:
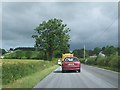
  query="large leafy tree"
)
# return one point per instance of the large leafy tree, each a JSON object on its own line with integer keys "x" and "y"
{"x": 52, "y": 35}
{"x": 109, "y": 50}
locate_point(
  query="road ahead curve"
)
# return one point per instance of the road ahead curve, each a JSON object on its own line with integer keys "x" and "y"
{"x": 90, "y": 77}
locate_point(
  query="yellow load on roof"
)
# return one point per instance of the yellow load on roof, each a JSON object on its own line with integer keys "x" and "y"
{"x": 66, "y": 55}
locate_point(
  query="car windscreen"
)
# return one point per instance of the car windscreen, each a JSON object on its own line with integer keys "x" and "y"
{"x": 70, "y": 59}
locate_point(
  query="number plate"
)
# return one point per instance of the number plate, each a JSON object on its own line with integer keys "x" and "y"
{"x": 70, "y": 64}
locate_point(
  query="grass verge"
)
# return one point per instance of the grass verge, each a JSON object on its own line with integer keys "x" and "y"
{"x": 13, "y": 70}
{"x": 31, "y": 80}
{"x": 108, "y": 62}
{"x": 107, "y": 68}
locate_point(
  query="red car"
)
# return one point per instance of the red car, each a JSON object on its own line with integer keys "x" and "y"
{"x": 71, "y": 63}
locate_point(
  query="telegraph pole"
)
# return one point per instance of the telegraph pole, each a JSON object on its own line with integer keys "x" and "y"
{"x": 84, "y": 52}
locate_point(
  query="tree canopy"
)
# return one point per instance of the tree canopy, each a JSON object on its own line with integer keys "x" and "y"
{"x": 108, "y": 51}
{"x": 2, "y": 51}
{"x": 52, "y": 35}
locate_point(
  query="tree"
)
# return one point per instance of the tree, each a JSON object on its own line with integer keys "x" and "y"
{"x": 96, "y": 50}
{"x": 80, "y": 53}
{"x": 52, "y": 35}
{"x": 2, "y": 51}
{"x": 109, "y": 50}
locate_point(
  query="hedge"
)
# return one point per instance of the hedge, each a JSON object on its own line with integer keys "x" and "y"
{"x": 113, "y": 62}
{"x": 91, "y": 61}
{"x": 25, "y": 55}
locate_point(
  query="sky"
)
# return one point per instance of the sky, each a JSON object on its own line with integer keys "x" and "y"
{"x": 93, "y": 24}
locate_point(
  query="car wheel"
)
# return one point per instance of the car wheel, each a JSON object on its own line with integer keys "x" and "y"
{"x": 79, "y": 70}
{"x": 63, "y": 71}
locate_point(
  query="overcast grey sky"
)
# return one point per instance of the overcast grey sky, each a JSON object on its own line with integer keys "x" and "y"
{"x": 92, "y": 24}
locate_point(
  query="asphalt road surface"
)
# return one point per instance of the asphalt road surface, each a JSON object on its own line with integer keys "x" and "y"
{"x": 89, "y": 77}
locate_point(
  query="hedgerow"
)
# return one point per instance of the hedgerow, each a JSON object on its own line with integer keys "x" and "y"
{"x": 25, "y": 55}
{"x": 113, "y": 62}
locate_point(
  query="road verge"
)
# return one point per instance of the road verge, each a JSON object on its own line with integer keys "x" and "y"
{"x": 31, "y": 80}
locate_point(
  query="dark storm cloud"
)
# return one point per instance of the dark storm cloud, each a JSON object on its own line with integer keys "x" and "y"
{"x": 0, "y": 15}
{"x": 87, "y": 21}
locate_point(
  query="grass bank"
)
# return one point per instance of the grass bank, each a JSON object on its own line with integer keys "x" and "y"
{"x": 14, "y": 71}
{"x": 30, "y": 80}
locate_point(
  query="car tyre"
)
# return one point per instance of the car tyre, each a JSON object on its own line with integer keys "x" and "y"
{"x": 63, "y": 71}
{"x": 79, "y": 71}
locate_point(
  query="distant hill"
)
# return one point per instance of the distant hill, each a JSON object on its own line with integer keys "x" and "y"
{"x": 25, "y": 48}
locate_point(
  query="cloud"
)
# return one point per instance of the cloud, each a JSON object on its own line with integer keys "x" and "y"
{"x": 60, "y": 1}
{"x": 0, "y": 25}
{"x": 87, "y": 21}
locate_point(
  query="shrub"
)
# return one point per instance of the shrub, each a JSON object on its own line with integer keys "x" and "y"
{"x": 91, "y": 61}
{"x": 82, "y": 60}
{"x": 23, "y": 57}
{"x": 113, "y": 63}
{"x": 101, "y": 61}
{"x": 18, "y": 54}
{"x": 14, "y": 55}
{"x": 28, "y": 54}
{"x": 34, "y": 55}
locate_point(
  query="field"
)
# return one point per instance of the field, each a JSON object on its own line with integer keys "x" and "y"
{"x": 14, "y": 70}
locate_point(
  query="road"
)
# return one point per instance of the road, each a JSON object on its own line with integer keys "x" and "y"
{"x": 90, "y": 77}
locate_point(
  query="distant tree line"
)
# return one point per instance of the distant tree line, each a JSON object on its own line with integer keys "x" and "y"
{"x": 32, "y": 53}
{"x": 25, "y": 48}
{"x": 2, "y": 51}
{"x": 22, "y": 54}
{"x": 108, "y": 51}
{"x": 29, "y": 54}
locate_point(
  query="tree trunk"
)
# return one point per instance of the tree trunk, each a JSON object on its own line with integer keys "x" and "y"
{"x": 50, "y": 55}
{"x": 50, "y": 52}
{"x": 45, "y": 56}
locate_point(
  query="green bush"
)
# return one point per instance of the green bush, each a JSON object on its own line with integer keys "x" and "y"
{"x": 113, "y": 63}
{"x": 15, "y": 69}
{"x": 18, "y": 54}
{"x": 35, "y": 55}
{"x": 28, "y": 54}
{"x": 91, "y": 61}
{"x": 10, "y": 55}
{"x": 23, "y": 57}
{"x": 82, "y": 60}
{"x": 101, "y": 61}
{"x": 14, "y": 55}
